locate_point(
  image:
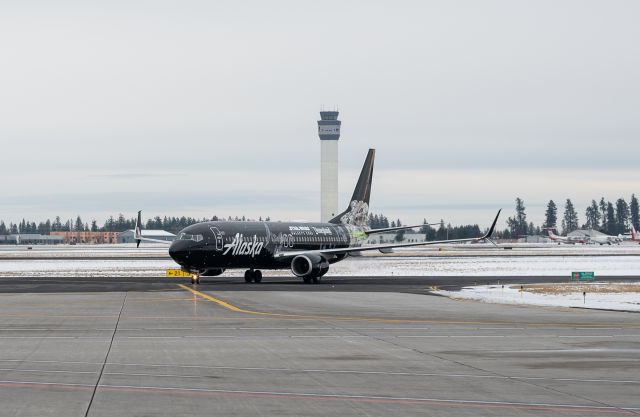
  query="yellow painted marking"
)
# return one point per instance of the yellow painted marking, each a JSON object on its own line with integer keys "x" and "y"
{"x": 282, "y": 316}
{"x": 177, "y": 273}
{"x": 231, "y": 306}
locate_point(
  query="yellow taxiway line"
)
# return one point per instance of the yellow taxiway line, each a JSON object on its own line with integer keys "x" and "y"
{"x": 284, "y": 316}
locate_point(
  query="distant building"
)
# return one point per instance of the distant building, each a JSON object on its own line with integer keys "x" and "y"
{"x": 31, "y": 239}
{"x": 586, "y": 232}
{"x": 128, "y": 235}
{"x": 73, "y": 238}
{"x": 390, "y": 237}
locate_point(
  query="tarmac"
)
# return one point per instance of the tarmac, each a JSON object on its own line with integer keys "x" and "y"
{"x": 371, "y": 346}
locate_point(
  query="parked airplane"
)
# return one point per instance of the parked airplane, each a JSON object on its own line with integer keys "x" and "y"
{"x": 633, "y": 236}
{"x": 566, "y": 239}
{"x": 602, "y": 239}
{"x": 210, "y": 248}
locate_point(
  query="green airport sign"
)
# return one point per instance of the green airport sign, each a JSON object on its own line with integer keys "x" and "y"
{"x": 583, "y": 276}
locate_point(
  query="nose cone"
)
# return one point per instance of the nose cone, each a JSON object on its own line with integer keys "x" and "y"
{"x": 178, "y": 252}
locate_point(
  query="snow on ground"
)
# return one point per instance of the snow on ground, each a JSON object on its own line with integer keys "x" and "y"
{"x": 365, "y": 266}
{"x": 489, "y": 266}
{"x": 512, "y": 294}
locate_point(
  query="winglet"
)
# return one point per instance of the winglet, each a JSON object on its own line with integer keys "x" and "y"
{"x": 493, "y": 226}
{"x": 137, "y": 231}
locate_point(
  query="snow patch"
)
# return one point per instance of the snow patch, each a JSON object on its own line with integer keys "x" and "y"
{"x": 510, "y": 294}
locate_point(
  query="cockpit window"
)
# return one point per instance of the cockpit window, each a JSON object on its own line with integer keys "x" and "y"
{"x": 188, "y": 236}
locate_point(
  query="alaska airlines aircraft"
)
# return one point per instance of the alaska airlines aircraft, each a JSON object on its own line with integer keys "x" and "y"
{"x": 210, "y": 248}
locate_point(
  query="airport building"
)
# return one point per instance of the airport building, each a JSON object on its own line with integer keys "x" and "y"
{"x": 77, "y": 237}
{"x": 390, "y": 237}
{"x": 329, "y": 133}
{"x": 129, "y": 235}
{"x": 30, "y": 239}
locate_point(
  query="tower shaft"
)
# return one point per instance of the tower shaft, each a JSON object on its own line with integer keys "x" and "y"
{"x": 328, "y": 179}
{"x": 329, "y": 132}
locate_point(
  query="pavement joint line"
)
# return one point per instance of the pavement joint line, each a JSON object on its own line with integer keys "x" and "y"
{"x": 480, "y": 369}
{"x": 580, "y": 407}
{"x": 342, "y": 397}
{"x": 106, "y": 357}
{"x": 294, "y": 370}
{"x": 236, "y": 309}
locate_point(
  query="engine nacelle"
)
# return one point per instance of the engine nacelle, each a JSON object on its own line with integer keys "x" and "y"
{"x": 212, "y": 272}
{"x": 311, "y": 265}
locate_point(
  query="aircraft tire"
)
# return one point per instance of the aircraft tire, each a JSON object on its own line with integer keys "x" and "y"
{"x": 306, "y": 280}
{"x": 315, "y": 280}
{"x": 257, "y": 276}
{"x": 248, "y": 276}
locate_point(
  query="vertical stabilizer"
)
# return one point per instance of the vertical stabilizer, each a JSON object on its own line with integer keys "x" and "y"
{"x": 358, "y": 211}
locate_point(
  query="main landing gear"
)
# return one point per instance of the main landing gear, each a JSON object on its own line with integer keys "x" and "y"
{"x": 309, "y": 280}
{"x": 195, "y": 279}
{"x": 252, "y": 275}
{"x": 315, "y": 278}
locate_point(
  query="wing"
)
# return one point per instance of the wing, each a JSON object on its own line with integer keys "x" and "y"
{"x": 341, "y": 251}
{"x": 138, "y": 233}
{"x": 391, "y": 229}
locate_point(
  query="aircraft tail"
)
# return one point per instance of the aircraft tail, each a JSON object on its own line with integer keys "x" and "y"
{"x": 358, "y": 211}
{"x": 634, "y": 234}
{"x": 552, "y": 235}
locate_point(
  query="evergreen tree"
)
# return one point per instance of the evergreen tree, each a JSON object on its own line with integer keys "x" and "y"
{"x": 518, "y": 224}
{"x": 551, "y": 215}
{"x": 3, "y": 228}
{"x": 611, "y": 220}
{"x": 570, "y": 220}
{"x": 79, "y": 225}
{"x": 634, "y": 214}
{"x": 592, "y": 214}
{"x": 94, "y": 225}
{"x": 57, "y": 224}
{"x": 622, "y": 216}
{"x": 603, "y": 214}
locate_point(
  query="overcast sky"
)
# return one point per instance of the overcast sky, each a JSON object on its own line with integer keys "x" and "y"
{"x": 210, "y": 107}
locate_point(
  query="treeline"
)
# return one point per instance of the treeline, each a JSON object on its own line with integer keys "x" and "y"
{"x": 442, "y": 232}
{"x": 113, "y": 224}
{"x": 608, "y": 217}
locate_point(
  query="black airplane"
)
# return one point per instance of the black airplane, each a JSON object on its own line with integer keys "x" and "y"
{"x": 210, "y": 248}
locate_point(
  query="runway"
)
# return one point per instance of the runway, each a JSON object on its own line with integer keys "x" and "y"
{"x": 349, "y": 347}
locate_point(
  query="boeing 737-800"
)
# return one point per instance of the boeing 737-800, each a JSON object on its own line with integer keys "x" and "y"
{"x": 308, "y": 249}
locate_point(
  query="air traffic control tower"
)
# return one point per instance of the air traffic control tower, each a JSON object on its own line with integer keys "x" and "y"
{"x": 329, "y": 132}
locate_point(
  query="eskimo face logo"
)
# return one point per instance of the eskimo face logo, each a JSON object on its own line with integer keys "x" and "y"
{"x": 240, "y": 246}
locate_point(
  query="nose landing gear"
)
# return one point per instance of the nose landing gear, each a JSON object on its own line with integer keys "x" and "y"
{"x": 195, "y": 279}
{"x": 253, "y": 275}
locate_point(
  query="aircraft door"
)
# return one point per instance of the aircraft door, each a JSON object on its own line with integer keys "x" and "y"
{"x": 218, "y": 240}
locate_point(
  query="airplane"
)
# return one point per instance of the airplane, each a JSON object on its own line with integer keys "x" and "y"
{"x": 603, "y": 239}
{"x": 565, "y": 239}
{"x": 633, "y": 236}
{"x": 308, "y": 249}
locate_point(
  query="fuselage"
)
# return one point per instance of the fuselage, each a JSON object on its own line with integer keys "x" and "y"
{"x": 216, "y": 246}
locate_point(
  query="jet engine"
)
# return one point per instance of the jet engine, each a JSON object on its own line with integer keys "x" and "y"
{"x": 212, "y": 272}
{"x": 309, "y": 266}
